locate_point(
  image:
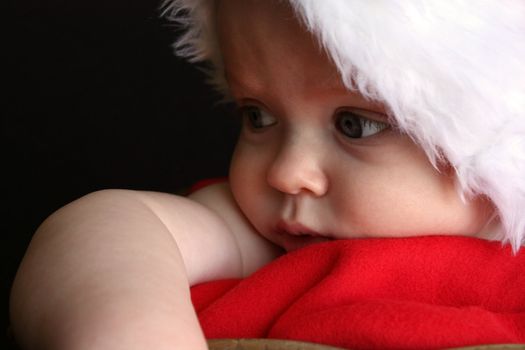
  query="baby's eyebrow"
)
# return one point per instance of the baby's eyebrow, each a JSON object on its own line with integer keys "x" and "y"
{"x": 321, "y": 89}
{"x": 248, "y": 85}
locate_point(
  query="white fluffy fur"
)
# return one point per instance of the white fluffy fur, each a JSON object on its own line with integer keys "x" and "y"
{"x": 452, "y": 73}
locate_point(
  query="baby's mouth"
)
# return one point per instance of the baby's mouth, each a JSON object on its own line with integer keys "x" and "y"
{"x": 293, "y": 236}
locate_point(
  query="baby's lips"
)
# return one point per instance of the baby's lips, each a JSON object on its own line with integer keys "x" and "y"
{"x": 296, "y": 229}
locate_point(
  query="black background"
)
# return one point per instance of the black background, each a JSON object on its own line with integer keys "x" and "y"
{"x": 96, "y": 99}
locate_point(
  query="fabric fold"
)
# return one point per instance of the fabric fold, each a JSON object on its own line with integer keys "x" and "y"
{"x": 400, "y": 293}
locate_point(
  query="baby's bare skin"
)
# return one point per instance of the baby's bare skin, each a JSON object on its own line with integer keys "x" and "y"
{"x": 113, "y": 269}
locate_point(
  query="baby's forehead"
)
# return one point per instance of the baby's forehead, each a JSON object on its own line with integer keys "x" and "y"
{"x": 242, "y": 23}
{"x": 268, "y": 41}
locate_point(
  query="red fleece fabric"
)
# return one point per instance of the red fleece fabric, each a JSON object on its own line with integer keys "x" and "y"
{"x": 404, "y": 293}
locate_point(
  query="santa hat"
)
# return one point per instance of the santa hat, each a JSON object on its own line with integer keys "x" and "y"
{"x": 451, "y": 73}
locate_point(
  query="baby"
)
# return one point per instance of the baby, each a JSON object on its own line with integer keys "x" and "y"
{"x": 361, "y": 119}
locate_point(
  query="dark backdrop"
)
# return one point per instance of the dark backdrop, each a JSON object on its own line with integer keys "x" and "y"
{"x": 96, "y": 99}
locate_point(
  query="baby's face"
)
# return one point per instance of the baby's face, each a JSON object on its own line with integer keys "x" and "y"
{"x": 314, "y": 161}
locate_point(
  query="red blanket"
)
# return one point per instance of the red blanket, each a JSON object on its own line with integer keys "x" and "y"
{"x": 414, "y": 293}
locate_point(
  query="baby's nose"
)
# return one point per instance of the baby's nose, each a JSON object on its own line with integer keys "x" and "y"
{"x": 298, "y": 167}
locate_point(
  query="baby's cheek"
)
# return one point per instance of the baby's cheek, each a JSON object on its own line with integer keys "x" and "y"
{"x": 356, "y": 207}
{"x": 386, "y": 203}
{"x": 470, "y": 218}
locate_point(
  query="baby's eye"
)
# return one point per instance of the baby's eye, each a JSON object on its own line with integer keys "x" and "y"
{"x": 356, "y": 124}
{"x": 256, "y": 117}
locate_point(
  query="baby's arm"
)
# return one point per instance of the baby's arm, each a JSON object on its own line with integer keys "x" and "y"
{"x": 112, "y": 270}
